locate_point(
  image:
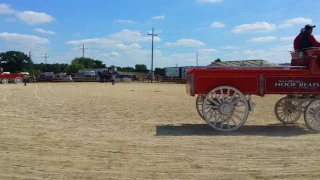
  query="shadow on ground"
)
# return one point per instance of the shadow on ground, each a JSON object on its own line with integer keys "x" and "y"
{"x": 258, "y": 130}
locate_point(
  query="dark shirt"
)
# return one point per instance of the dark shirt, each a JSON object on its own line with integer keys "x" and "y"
{"x": 308, "y": 40}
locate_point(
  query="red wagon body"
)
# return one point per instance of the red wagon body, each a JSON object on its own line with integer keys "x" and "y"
{"x": 300, "y": 82}
{"x": 5, "y": 78}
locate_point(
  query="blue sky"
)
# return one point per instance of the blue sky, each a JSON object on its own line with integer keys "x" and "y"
{"x": 115, "y": 31}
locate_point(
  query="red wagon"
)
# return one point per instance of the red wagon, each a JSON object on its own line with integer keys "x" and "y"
{"x": 5, "y": 78}
{"x": 224, "y": 92}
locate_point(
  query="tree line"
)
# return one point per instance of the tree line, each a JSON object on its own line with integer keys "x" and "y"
{"x": 16, "y": 61}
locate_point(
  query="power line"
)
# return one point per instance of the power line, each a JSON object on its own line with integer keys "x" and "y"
{"x": 83, "y": 49}
{"x": 45, "y": 61}
{"x": 152, "y": 35}
{"x": 30, "y": 53}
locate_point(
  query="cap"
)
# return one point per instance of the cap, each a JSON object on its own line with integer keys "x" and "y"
{"x": 309, "y": 26}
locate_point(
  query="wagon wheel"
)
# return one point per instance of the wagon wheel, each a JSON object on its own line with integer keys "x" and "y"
{"x": 312, "y": 115}
{"x": 5, "y": 81}
{"x": 18, "y": 80}
{"x": 199, "y": 103}
{"x": 225, "y": 109}
{"x": 288, "y": 112}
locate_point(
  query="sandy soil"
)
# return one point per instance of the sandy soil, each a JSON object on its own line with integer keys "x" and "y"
{"x": 142, "y": 131}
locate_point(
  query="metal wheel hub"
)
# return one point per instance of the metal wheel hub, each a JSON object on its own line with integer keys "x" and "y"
{"x": 225, "y": 109}
{"x": 289, "y": 107}
{"x": 317, "y": 116}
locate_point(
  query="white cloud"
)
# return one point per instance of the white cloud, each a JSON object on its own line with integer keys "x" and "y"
{"x": 43, "y": 31}
{"x": 95, "y": 42}
{"x": 291, "y": 38}
{"x": 123, "y": 21}
{"x": 132, "y": 36}
{"x": 255, "y": 27}
{"x": 6, "y": 9}
{"x": 29, "y": 17}
{"x": 33, "y": 18}
{"x": 295, "y": 21}
{"x": 277, "y": 54}
{"x": 10, "y": 19}
{"x": 210, "y": 1}
{"x": 263, "y": 39}
{"x": 208, "y": 50}
{"x": 186, "y": 42}
{"x": 158, "y": 17}
{"x": 217, "y": 25}
{"x": 111, "y": 54}
{"x": 23, "y": 39}
{"x": 131, "y": 46}
{"x": 25, "y": 43}
{"x": 230, "y": 47}
{"x": 116, "y": 40}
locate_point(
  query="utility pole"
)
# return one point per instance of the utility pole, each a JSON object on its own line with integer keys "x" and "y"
{"x": 30, "y": 53}
{"x": 83, "y": 49}
{"x": 197, "y": 59}
{"x": 45, "y": 61}
{"x": 152, "y": 35}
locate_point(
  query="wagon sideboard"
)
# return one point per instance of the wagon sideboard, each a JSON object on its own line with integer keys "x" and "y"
{"x": 254, "y": 81}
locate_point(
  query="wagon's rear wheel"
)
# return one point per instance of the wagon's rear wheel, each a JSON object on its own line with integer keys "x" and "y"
{"x": 225, "y": 109}
{"x": 18, "y": 80}
{"x": 312, "y": 115}
{"x": 199, "y": 103}
{"x": 288, "y": 112}
{"x": 5, "y": 81}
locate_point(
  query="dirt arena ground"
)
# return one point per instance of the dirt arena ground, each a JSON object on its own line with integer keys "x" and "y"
{"x": 87, "y": 131}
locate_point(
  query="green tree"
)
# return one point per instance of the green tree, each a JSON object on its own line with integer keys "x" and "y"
{"x": 83, "y": 63}
{"x": 98, "y": 64}
{"x": 74, "y": 66}
{"x": 126, "y": 69}
{"x": 141, "y": 68}
{"x": 159, "y": 71}
{"x": 16, "y": 61}
{"x": 36, "y": 72}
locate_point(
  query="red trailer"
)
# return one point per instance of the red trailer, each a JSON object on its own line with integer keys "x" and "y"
{"x": 6, "y": 78}
{"x": 224, "y": 92}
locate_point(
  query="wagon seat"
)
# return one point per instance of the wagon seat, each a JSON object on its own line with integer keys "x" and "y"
{"x": 309, "y": 58}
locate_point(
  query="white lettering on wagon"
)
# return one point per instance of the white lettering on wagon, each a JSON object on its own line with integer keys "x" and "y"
{"x": 297, "y": 84}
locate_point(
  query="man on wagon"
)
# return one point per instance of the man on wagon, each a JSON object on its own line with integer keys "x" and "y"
{"x": 307, "y": 39}
{"x": 297, "y": 40}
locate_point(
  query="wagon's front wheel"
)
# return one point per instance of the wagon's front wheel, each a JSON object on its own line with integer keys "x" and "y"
{"x": 288, "y": 112}
{"x": 5, "y": 81}
{"x": 225, "y": 108}
{"x": 312, "y": 115}
{"x": 199, "y": 103}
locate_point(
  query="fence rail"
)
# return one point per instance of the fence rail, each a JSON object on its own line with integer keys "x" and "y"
{"x": 138, "y": 79}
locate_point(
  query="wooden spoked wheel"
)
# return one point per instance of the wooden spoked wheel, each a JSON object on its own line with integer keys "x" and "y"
{"x": 199, "y": 103}
{"x": 5, "y": 81}
{"x": 18, "y": 80}
{"x": 225, "y": 109}
{"x": 288, "y": 112}
{"x": 312, "y": 115}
